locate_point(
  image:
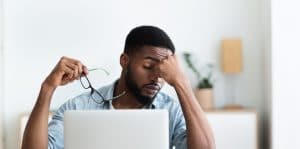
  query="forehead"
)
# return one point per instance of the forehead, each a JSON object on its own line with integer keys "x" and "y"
{"x": 153, "y": 52}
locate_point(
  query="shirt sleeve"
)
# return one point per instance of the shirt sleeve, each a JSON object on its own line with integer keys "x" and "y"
{"x": 56, "y": 127}
{"x": 179, "y": 139}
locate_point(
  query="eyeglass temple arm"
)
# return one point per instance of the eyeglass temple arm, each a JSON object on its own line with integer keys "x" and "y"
{"x": 105, "y": 71}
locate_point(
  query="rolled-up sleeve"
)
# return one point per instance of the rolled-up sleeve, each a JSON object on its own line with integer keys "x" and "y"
{"x": 56, "y": 127}
{"x": 55, "y": 132}
{"x": 179, "y": 139}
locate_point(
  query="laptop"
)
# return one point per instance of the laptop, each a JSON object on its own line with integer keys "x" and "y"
{"x": 116, "y": 129}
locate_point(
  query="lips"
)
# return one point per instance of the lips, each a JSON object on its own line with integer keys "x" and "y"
{"x": 152, "y": 86}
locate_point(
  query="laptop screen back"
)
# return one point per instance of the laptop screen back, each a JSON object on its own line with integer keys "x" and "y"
{"x": 116, "y": 129}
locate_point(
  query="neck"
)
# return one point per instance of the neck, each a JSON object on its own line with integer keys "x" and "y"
{"x": 127, "y": 101}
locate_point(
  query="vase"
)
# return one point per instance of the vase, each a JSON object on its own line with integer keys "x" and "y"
{"x": 205, "y": 98}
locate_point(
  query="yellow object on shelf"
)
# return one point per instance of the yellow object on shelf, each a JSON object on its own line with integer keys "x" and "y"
{"x": 231, "y": 56}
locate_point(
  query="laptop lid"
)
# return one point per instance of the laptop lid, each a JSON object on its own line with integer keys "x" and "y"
{"x": 116, "y": 129}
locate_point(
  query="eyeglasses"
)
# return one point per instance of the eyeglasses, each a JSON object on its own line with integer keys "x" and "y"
{"x": 96, "y": 95}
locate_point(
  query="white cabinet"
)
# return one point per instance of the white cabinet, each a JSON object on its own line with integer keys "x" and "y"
{"x": 234, "y": 129}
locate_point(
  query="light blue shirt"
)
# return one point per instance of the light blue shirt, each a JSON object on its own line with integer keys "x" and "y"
{"x": 177, "y": 127}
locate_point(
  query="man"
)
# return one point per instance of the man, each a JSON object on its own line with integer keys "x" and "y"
{"x": 148, "y": 61}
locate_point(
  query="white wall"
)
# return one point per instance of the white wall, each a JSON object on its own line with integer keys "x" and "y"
{"x": 1, "y": 75}
{"x": 285, "y": 74}
{"x": 39, "y": 32}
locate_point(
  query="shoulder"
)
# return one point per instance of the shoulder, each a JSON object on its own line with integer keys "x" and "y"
{"x": 84, "y": 101}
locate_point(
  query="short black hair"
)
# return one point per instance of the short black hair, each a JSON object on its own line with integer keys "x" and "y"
{"x": 147, "y": 36}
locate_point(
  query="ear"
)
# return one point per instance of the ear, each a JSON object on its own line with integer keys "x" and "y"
{"x": 124, "y": 60}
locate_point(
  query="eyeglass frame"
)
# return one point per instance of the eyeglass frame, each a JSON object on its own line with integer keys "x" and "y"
{"x": 93, "y": 90}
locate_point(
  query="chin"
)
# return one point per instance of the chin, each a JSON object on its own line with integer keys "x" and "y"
{"x": 150, "y": 96}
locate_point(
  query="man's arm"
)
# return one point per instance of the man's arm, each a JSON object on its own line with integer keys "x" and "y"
{"x": 199, "y": 133}
{"x": 36, "y": 131}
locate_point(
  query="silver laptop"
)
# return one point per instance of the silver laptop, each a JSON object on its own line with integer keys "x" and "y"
{"x": 116, "y": 129}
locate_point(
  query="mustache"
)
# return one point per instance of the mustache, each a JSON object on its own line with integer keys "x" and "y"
{"x": 155, "y": 86}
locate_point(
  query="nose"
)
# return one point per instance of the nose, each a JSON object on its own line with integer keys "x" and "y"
{"x": 154, "y": 76}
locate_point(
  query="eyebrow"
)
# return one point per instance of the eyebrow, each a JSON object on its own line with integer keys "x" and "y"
{"x": 152, "y": 58}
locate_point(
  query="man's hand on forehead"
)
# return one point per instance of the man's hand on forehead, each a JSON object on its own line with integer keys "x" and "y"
{"x": 161, "y": 54}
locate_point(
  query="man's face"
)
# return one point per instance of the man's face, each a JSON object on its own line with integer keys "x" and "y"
{"x": 141, "y": 76}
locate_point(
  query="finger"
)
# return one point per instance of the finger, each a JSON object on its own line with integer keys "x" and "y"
{"x": 77, "y": 69}
{"x": 73, "y": 68}
{"x": 72, "y": 60}
{"x": 75, "y": 62}
{"x": 164, "y": 53}
{"x": 171, "y": 57}
{"x": 80, "y": 67}
{"x": 157, "y": 69}
{"x": 68, "y": 71}
{"x": 76, "y": 73}
{"x": 85, "y": 70}
{"x": 165, "y": 57}
{"x": 162, "y": 60}
{"x": 76, "y": 66}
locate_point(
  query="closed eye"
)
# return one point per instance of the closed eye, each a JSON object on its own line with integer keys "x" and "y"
{"x": 149, "y": 64}
{"x": 148, "y": 67}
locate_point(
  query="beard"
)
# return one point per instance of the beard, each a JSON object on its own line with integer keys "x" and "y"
{"x": 133, "y": 88}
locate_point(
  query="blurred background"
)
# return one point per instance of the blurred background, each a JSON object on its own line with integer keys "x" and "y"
{"x": 36, "y": 33}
